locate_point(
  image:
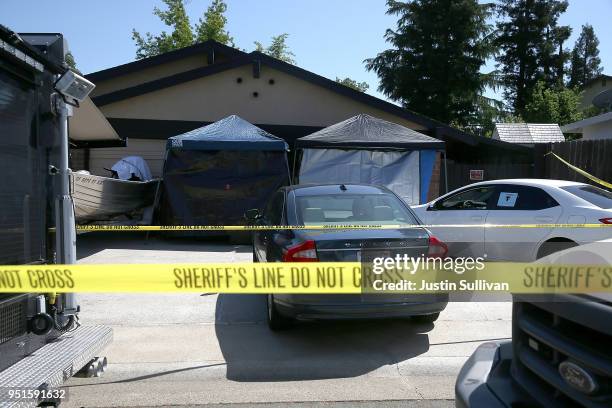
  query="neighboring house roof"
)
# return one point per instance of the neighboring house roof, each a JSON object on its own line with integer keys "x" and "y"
{"x": 576, "y": 127}
{"x": 528, "y": 133}
{"x": 367, "y": 132}
{"x": 441, "y": 130}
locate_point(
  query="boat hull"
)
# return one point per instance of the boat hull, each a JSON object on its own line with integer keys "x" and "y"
{"x": 98, "y": 198}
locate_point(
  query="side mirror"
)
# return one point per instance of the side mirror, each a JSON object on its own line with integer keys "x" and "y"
{"x": 252, "y": 215}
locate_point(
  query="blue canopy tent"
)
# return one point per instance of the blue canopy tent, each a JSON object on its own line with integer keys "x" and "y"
{"x": 365, "y": 149}
{"x": 213, "y": 174}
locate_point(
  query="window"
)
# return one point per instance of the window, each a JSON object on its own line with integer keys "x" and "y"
{"x": 592, "y": 194}
{"x": 513, "y": 197}
{"x": 478, "y": 198}
{"x": 353, "y": 209}
{"x": 273, "y": 214}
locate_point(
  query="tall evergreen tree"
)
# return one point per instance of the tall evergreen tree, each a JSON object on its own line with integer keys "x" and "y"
{"x": 585, "y": 62}
{"x": 530, "y": 44}
{"x": 437, "y": 51}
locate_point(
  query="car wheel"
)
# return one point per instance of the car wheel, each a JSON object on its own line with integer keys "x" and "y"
{"x": 554, "y": 245}
{"x": 430, "y": 318}
{"x": 276, "y": 321}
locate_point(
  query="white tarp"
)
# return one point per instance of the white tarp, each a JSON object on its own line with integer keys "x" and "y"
{"x": 398, "y": 171}
{"x": 132, "y": 166}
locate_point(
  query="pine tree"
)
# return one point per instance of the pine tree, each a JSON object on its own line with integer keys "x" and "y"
{"x": 530, "y": 44}
{"x": 437, "y": 51}
{"x": 585, "y": 62}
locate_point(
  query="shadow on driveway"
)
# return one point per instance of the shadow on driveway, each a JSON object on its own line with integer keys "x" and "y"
{"x": 309, "y": 350}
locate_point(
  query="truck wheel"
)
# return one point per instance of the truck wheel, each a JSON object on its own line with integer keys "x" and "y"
{"x": 430, "y": 318}
{"x": 276, "y": 321}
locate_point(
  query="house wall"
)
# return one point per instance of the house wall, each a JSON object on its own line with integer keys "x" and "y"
{"x": 597, "y": 131}
{"x": 289, "y": 101}
{"x": 152, "y": 73}
{"x": 592, "y": 90}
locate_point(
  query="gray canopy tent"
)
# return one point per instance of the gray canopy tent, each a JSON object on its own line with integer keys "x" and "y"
{"x": 365, "y": 149}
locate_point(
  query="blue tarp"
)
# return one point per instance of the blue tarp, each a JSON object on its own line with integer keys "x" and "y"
{"x": 232, "y": 133}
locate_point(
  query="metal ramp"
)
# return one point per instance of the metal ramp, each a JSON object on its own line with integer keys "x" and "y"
{"x": 55, "y": 362}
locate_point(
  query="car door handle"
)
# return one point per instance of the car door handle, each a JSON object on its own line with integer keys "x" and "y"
{"x": 543, "y": 219}
{"x": 476, "y": 217}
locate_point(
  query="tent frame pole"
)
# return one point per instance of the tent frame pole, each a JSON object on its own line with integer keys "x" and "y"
{"x": 445, "y": 173}
{"x": 292, "y": 175}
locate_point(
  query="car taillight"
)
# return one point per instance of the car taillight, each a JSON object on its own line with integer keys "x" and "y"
{"x": 304, "y": 252}
{"x": 437, "y": 248}
{"x": 606, "y": 220}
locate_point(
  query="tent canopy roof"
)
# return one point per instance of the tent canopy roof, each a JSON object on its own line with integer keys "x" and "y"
{"x": 231, "y": 133}
{"x": 367, "y": 132}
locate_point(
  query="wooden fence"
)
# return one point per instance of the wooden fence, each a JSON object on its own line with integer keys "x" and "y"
{"x": 592, "y": 156}
{"x": 458, "y": 174}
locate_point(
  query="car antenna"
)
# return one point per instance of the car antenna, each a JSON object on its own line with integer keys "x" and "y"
{"x": 342, "y": 187}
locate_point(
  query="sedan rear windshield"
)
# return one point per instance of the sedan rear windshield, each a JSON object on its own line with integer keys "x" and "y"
{"x": 592, "y": 194}
{"x": 352, "y": 209}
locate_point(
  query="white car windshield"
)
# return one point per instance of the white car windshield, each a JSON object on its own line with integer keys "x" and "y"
{"x": 592, "y": 194}
{"x": 352, "y": 209}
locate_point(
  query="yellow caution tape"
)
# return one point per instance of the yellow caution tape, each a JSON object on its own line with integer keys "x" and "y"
{"x": 582, "y": 172}
{"x": 318, "y": 227}
{"x": 303, "y": 278}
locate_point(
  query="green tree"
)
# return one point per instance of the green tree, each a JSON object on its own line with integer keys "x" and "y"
{"x": 585, "y": 62}
{"x": 488, "y": 112}
{"x": 351, "y": 83}
{"x": 278, "y": 48}
{"x": 181, "y": 36}
{"x": 437, "y": 51}
{"x": 212, "y": 26}
{"x": 530, "y": 47}
{"x": 553, "y": 105}
{"x": 69, "y": 59}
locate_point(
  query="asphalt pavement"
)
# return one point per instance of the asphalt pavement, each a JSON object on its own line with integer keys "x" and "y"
{"x": 209, "y": 349}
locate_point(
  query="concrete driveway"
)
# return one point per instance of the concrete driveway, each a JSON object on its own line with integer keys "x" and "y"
{"x": 197, "y": 349}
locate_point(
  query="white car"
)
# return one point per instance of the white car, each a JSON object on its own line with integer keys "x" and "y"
{"x": 518, "y": 201}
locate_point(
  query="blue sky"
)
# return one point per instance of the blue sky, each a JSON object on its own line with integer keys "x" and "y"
{"x": 328, "y": 37}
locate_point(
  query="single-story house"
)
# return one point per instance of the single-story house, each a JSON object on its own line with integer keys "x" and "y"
{"x": 528, "y": 133}
{"x": 594, "y": 128}
{"x": 151, "y": 99}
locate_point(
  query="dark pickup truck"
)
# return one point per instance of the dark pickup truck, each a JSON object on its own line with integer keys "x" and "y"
{"x": 560, "y": 356}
